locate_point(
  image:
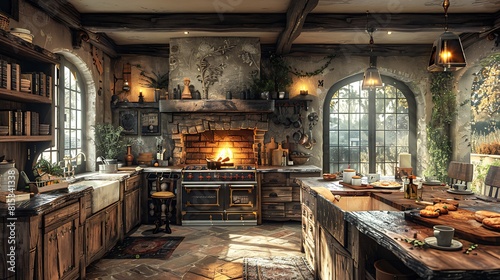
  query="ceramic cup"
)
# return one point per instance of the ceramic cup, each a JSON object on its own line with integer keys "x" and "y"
{"x": 356, "y": 181}
{"x": 444, "y": 235}
{"x": 460, "y": 187}
{"x": 373, "y": 177}
{"x": 347, "y": 175}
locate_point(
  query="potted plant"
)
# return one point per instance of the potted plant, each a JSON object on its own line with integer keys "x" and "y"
{"x": 157, "y": 81}
{"x": 109, "y": 143}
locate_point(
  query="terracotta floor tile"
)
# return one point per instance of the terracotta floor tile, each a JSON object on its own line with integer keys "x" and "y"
{"x": 206, "y": 253}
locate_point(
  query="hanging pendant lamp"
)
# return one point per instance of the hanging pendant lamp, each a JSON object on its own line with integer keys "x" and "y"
{"x": 447, "y": 52}
{"x": 371, "y": 78}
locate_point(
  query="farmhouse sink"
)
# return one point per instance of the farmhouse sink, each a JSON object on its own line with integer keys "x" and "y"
{"x": 106, "y": 192}
{"x": 362, "y": 203}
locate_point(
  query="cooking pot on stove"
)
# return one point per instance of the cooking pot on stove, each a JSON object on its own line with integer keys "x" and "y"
{"x": 216, "y": 164}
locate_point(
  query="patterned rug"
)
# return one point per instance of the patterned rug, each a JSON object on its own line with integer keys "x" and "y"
{"x": 289, "y": 268}
{"x": 145, "y": 247}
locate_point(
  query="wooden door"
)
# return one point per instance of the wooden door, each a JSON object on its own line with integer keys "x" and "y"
{"x": 61, "y": 248}
{"x": 94, "y": 235}
{"x": 112, "y": 225}
{"x": 131, "y": 210}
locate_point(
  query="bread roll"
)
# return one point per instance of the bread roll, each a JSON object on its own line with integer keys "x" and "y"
{"x": 493, "y": 223}
{"x": 442, "y": 208}
{"x": 430, "y": 212}
{"x": 482, "y": 214}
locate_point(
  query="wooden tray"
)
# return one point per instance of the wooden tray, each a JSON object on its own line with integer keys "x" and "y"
{"x": 463, "y": 221}
{"x": 362, "y": 187}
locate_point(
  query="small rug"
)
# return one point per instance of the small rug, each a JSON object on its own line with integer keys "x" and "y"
{"x": 289, "y": 268}
{"x": 145, "y": 247}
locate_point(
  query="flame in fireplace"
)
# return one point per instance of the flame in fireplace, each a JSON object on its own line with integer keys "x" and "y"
{"x": 224, "y": 152}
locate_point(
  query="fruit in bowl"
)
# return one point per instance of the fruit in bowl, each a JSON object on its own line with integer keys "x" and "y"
{"x": 329, "y": 176}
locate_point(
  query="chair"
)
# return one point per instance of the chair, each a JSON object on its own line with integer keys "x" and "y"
{"x": 460, "y": 173}
{"x": 492, "y": 182}
{"x": 161, "y": 197}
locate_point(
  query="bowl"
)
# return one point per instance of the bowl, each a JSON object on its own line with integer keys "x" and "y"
{"x": 299, "y": 159}
{"x": 329, "y": 176}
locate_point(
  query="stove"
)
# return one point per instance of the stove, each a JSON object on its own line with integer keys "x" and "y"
{"x": 226, "y": 196}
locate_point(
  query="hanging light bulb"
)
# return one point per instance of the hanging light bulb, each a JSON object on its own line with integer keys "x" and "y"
{"x": 447, "y": 52}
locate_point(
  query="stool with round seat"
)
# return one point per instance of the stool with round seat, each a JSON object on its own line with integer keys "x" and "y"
{"x": 159, "y": 198}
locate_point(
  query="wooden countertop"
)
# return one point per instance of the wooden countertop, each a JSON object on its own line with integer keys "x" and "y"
{"x": 390, "y": 228}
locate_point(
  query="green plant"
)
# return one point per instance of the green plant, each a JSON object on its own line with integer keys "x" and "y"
{"x": 438, "y": 130}
{"x": 44, "y": 167}
{"x": 274, "y": 76}
{"x": 108, "y": 140}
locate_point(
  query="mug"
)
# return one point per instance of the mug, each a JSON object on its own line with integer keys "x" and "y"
{"x": 444, "y": 235}
{"x": 373, "y": 177}
{"x": 460, "y": 187}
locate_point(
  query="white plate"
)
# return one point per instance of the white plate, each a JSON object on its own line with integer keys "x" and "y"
{"x": 432, "y": 242}
{"x": 459, "y": 192}
{"x": 378, "y": 185}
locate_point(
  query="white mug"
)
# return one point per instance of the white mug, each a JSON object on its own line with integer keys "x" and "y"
{"x": 444, "y": 235}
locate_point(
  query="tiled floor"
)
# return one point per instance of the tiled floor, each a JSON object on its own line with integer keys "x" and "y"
{"x": 206, "y": 252}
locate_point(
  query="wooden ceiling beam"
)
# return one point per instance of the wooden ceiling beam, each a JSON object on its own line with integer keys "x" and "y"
{"x": 295, "y": 18}
{"x": 157, "y": 50}
{"x": 273, "y": 22}
{"x": 384, "y": 50}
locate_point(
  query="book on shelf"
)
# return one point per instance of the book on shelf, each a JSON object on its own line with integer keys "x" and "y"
{"x": 7, "y": 119}
{"x": 19, "y": 123}
{"x": 35, "y": 123}
{"x": 26, "y": 82}
{"x": 27, "y": 123}
{"x": 8, "y": 76}
{"x": 34, "y": 77}
{"x": 42, "y": 88}
{"x": 3, "y": 73}
{"x": 15, "y": 77}
{"x": 49, "y": 87}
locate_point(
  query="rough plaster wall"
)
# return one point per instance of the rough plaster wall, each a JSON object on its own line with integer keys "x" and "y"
{"x": 239, "y": 62}
{"x": 461, "y": 128}
{"x": 56, "y": 38}
{"x": 411, "y": 71}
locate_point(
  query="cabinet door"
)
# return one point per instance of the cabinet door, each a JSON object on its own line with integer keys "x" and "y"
{"x": 94, "y": 237}
{"x": 112, "y": 225}
{"x": 132, "y": 209}
{"x": 325, "y": 258}
{"x": 61, "y": 250}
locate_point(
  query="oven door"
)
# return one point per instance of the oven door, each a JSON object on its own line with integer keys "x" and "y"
{"x": 241, "y": 197}
{"x": 198, "y": 197}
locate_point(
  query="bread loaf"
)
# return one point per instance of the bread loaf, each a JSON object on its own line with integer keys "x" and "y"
{"x": 482, "y": 214}
{"x": 493, "y": 223}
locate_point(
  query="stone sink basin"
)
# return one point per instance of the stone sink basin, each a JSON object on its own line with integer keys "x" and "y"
{"x": 362, "y": 203}
{"x": 106, "y": 192}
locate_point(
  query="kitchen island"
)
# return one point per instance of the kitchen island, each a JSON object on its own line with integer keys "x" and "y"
{"x": 342, "y": 240}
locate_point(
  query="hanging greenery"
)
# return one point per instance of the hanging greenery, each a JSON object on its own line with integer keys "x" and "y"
{"x": 302, "y": 74}
{"x": 438, "y": 130}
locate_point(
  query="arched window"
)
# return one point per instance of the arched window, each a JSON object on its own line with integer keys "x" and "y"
{"x": 368, "y": 129}
{"x": 69, "y": 117}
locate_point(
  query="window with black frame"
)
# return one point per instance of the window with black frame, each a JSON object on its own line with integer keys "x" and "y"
{"x": 367, "y": 129}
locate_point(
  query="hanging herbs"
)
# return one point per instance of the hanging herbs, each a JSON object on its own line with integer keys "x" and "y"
{"x": 438, "y": 130}
{"x": 302, "y": 74}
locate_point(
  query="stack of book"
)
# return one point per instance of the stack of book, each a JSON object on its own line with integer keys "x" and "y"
{"x": 22, "y": 123}
{"x": 12, "y": 78}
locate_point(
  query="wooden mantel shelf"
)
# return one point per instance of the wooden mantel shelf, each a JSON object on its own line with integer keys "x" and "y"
{"x": 217, "y": 106}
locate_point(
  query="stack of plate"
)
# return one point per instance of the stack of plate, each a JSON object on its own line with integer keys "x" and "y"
{"x": 22, "y": 33}
{"x": 44, "y": 129}
{"x": 4, "y": 130}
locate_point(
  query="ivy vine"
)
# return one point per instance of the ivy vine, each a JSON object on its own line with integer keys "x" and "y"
{"x": 438, "y": 130}
{"x": 302, "y": 74}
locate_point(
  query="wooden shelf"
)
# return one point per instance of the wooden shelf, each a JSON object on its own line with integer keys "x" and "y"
{"x": 217, "y": 106}
{"x": 25, "y": 138}
{"x": 14, "y": 46}
{"x": 25, "y": 97}
{"x": 135, "y": 105}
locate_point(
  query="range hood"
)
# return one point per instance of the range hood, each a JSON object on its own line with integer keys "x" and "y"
{"x": 216, "y": 106}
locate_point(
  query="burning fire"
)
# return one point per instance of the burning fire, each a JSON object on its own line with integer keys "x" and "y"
{"x": 224, "y": 153}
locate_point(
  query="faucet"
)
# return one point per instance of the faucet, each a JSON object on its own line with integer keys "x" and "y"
{"x": 69, "y": 171}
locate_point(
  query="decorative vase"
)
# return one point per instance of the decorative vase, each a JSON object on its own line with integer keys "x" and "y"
{"x": 186, "y": 93}
{"x": 129, "y": 158}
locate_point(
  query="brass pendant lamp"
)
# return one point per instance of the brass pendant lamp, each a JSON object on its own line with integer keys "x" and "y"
{"x": 447, "y": 52}
{"x": 371, "y": 78}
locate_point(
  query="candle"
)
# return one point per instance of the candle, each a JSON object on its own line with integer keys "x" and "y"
{"x": 405, "y": 160}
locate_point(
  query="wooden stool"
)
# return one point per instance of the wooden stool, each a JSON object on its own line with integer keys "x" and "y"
{"x": 158, "y": 198}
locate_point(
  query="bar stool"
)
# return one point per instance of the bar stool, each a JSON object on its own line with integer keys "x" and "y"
{"x": 161, "y": 197}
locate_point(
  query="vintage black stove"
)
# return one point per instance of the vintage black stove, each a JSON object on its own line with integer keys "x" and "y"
{"x": 226, "y": 196}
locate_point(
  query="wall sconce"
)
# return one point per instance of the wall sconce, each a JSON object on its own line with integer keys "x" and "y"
{"x": 126, "y": 76}
{"x": 304, "y": 92}
{"x": 447, "y": 52}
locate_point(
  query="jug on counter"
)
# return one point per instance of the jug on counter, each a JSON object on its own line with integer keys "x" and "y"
{"x": 9, "y": 176}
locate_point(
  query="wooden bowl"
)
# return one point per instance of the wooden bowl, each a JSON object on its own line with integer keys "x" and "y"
{"x": 299, "y": 160}
{"x": 329, "y": 176}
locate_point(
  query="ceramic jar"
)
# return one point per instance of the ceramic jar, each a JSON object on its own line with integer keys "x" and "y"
{"x": 9, "y": 176}
{"x": 347, "y": 175}
{"x": 356, "y": 181}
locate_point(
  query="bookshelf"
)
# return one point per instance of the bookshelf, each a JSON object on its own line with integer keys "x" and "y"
{"x": 33, "y": 108}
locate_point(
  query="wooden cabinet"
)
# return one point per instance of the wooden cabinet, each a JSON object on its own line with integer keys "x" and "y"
{"x": 281, "y": 195}
{"x": 132, "y": 203}
{"x": 309, "y": 233}
{"x": 24, "y": 146}
{"x": 102, "y": 231}
{"x": 61, "y": 243}
{"x": 334, "y": 262}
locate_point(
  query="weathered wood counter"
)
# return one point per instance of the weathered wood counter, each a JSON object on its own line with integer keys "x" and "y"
{"x": 371, "y": 235}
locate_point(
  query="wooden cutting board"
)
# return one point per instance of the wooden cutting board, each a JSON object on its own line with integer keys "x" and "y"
{"x": 277, "y": 155}
{"x": 362, "y": 187}
{"x": 269, "y": 148}
{"x": 463, "y": 221}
